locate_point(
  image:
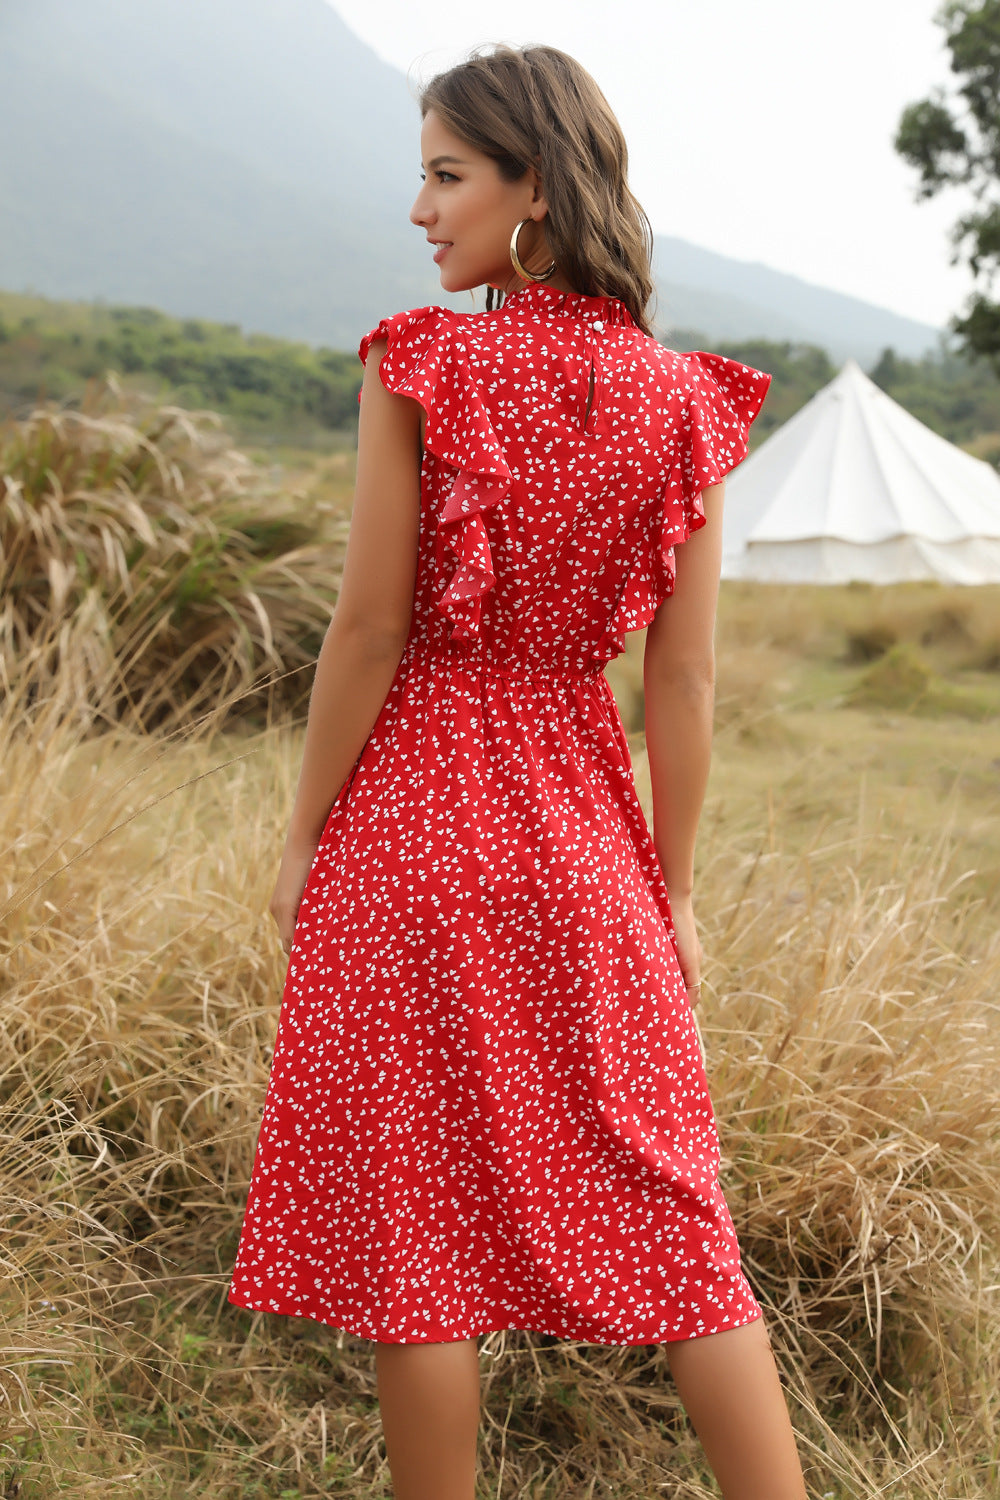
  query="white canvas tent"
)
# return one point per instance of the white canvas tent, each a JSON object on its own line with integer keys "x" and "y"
{"x": 853, "y": 487}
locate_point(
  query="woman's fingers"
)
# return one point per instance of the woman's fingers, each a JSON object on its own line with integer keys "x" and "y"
{"x": 688, "y": 947}
{"x": 284, "y": 918}
{"x": 293, "y": 872}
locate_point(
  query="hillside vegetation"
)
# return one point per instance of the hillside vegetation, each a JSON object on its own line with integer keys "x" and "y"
{"x": 278, "y": 391}
{"x": 849, "y": 898}
{"x": 266, "y": 385}
{"x": 954, "y": 396}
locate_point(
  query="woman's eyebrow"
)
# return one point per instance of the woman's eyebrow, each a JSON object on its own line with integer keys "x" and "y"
{"x": 439, "y": 161}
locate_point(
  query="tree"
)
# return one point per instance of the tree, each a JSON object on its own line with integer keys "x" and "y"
{"x": 886, "y": 372}
{"x": 954, "y": 141}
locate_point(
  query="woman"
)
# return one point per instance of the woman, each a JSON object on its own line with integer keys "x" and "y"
{"x": 487, "y": 1107}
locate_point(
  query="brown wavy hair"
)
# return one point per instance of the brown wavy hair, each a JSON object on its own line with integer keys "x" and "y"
{"x": 537, "y": 107}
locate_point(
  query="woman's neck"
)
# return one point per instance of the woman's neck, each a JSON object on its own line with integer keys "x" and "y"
{"x": 557, "y": 281}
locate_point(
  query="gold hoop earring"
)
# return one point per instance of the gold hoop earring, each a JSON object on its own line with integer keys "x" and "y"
{"x": 524, "y": 274}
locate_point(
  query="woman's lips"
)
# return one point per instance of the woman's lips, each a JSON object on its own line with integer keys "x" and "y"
{"x": 440, "y": 252}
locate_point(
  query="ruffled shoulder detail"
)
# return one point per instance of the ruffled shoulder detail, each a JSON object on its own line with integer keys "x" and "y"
{"x": 723, "y": 398}
{"x": 716, "y": 401}
{"x": 426, "y": 361}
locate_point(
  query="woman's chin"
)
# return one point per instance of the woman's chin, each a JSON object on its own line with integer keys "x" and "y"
{"x": 455, "y": 282}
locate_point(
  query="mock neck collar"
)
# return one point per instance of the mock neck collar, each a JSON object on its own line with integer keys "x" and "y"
{"x": 537, "y": 297}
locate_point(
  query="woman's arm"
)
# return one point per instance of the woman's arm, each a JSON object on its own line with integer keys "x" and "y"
{"x": 368, "y": 630}
{"x": 679, "y": 680}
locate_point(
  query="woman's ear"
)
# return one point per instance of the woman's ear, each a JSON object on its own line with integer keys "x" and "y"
{"x": 539, "y": 202}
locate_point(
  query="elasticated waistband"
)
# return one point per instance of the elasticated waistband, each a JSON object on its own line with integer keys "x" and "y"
{"x": 480, "y": 663}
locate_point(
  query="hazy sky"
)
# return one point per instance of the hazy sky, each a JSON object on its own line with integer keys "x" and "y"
{"x": 760, "y": 130}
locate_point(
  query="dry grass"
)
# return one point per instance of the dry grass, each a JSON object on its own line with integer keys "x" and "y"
{"x": 957, "y": 629}
{"x": 851, "y": 1027}
{"x": 145, "y": 568}
{"x": 927, "y": 648}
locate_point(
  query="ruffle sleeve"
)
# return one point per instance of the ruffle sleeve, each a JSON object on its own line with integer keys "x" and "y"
{"x": 426, "y": 361}
{"x": 723, "y": 399}
{"x": 717, "y": 400}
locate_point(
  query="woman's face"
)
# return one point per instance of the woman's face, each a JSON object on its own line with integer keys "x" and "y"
{"x": 469, "y": 212}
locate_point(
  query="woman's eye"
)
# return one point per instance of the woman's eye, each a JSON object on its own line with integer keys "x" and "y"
{"x": 450, "y": 176}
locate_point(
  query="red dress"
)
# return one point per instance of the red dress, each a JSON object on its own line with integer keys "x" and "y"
{"x": 487, "y": 1107}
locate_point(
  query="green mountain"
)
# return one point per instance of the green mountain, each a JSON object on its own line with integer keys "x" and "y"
{"x": 252, "y": 161}
{"x": 244, "y": 160}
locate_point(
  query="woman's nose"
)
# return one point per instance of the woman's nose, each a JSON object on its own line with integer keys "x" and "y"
{"x": 420, "y": 213}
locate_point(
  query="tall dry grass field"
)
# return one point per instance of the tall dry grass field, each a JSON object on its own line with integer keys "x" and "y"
{"x": 148, "y": 571}
{"x": 849, "y": 899}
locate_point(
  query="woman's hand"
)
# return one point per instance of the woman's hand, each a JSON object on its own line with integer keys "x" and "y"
{"x": 689, "y": 952}
{"x": 296, "y": 862}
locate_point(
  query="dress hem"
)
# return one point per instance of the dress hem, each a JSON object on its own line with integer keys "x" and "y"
{"x": 355, "y": 1329}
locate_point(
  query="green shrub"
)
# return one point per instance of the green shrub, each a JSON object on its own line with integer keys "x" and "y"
{"x": 899, "y": 678}
{"x": 902, "y": 680}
